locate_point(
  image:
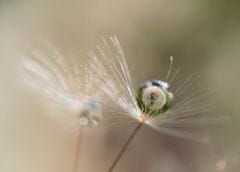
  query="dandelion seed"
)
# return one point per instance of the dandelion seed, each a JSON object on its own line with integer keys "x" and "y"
{"x": 60, "y": 80}
{"x": 153, "y": 104}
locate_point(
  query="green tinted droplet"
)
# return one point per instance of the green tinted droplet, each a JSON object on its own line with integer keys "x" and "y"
{"x": 154, "y": 98}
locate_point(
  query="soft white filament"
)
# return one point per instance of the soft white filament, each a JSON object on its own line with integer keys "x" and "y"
{"x": 65, "y": 81}
{"x": 111, "y": 71}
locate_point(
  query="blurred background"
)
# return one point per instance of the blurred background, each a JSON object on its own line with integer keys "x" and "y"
{"x": 204, "y": 38}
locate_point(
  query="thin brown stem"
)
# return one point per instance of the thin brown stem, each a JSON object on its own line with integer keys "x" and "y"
{"x": 124, "y": 148}
{"x": 77, "y": 151}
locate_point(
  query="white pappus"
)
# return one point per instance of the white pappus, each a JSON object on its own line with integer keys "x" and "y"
{"x": 66, "y": 82}
{"x": 153, "y": 104}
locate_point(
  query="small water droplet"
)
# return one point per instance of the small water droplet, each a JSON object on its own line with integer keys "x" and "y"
{"x": 84, "y": 121}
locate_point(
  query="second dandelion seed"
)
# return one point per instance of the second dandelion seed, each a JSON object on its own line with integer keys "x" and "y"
{"x": 60, "y": 79}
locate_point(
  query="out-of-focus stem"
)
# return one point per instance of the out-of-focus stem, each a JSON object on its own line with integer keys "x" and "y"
{"x": 77, "y": 151}
{"x": 124, "y": 148}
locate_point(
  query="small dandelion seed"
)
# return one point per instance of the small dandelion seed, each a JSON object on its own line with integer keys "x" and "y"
{"x": 153, "y": 104}
{"x": 65, "y": 82}
{"x": 60, "y": 79}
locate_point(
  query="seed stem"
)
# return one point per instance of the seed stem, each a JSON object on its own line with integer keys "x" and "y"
{"x": 124, "y": 148}
{"x": 77, "y": 151}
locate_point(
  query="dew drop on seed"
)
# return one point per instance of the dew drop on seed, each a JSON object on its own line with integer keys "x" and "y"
{"x": 83, "y": 121}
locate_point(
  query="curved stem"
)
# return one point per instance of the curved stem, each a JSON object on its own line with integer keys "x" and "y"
{"x": 77, "y": 151}
{"x": 124, "y": 148}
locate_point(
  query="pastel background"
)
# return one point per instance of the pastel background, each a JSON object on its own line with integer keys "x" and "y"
{"x": 204, "y": 38}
